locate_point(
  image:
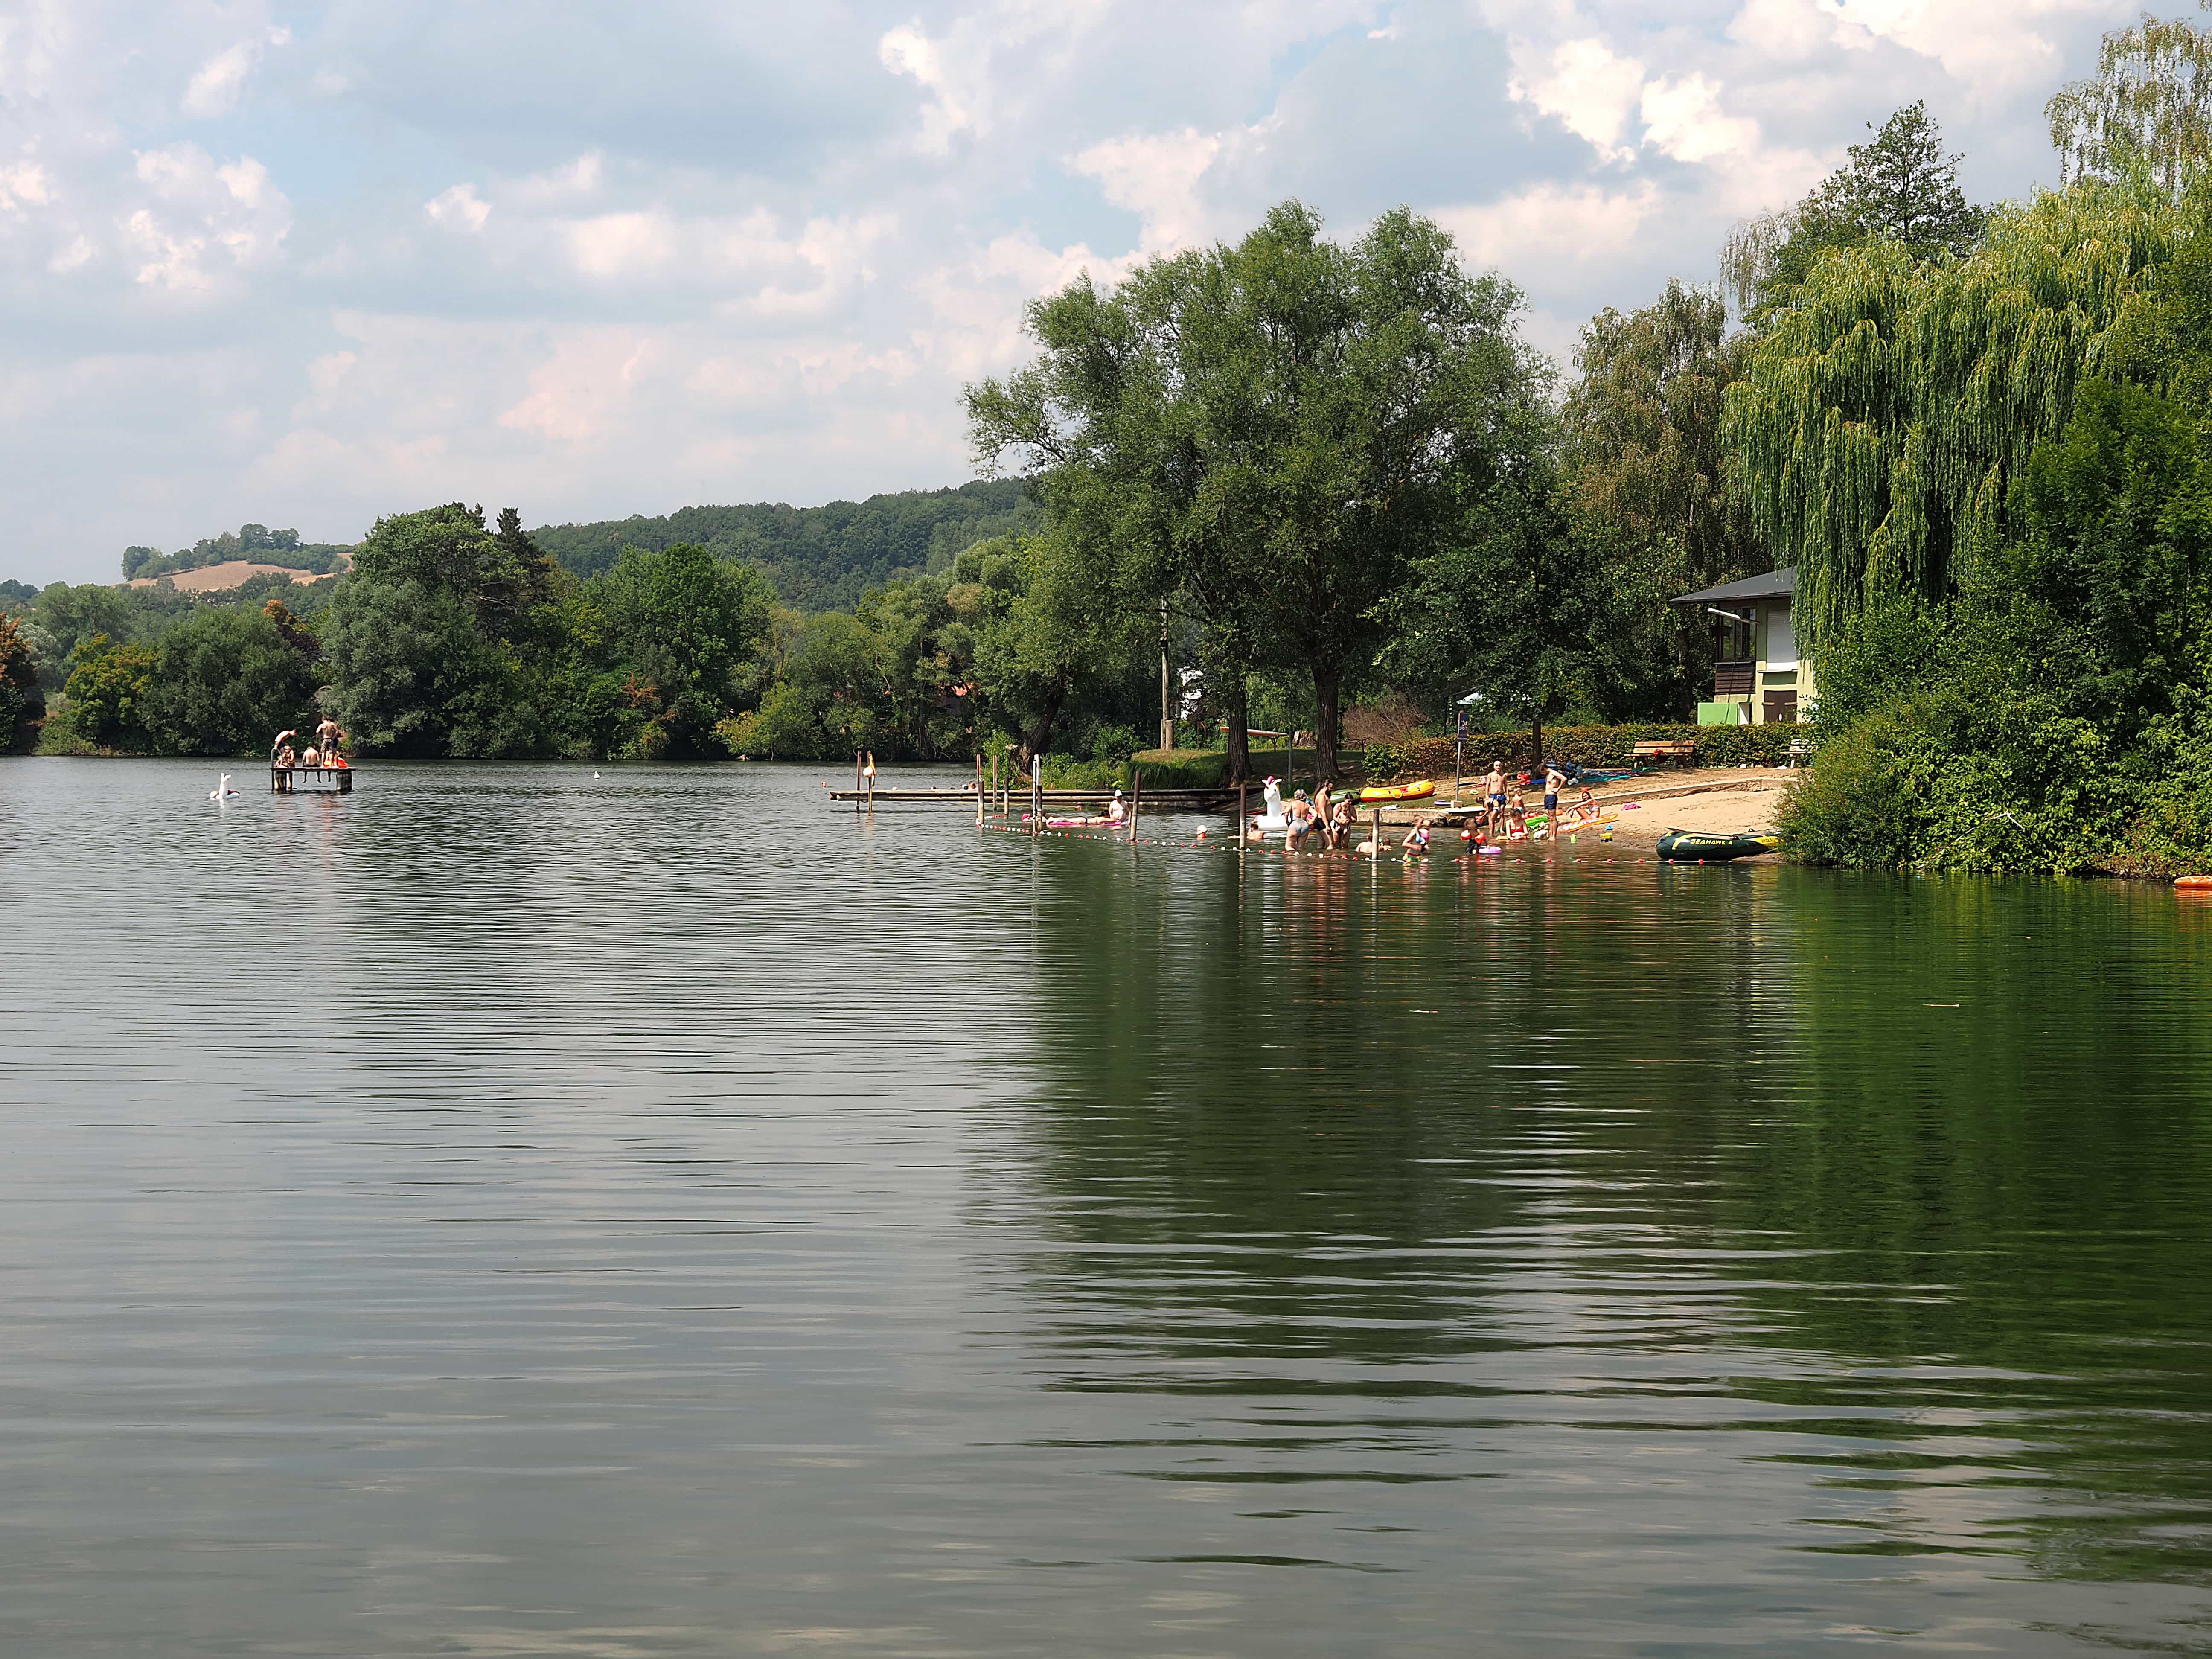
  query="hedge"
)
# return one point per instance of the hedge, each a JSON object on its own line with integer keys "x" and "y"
{"x": 1605, "y": 748}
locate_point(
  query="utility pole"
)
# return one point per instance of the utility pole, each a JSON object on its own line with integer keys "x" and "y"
{"x": 1167, "y": 715}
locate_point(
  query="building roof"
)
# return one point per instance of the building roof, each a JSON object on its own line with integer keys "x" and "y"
{"x": 1775, "y": 585}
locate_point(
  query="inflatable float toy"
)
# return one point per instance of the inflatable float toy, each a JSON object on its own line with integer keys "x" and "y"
{"x": 1697, "y": 847}
{"x": 1273, "y": 818}
{"x": 1382, "y": 794}
{"x": 2194, "y": 883}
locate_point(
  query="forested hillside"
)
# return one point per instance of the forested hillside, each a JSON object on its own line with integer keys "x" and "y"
{"x": 816, "y": 559}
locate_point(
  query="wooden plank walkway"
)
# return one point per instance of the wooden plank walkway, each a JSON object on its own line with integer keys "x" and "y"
{"x": 1155, "y": 800}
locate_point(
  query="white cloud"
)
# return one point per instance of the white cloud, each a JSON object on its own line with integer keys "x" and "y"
{"x": 576, "y": 395}
{"x": 908, "y": 51}
{"x": 203, "y": 215}
{"x": 459, "y": 208}
{"x": 1684, "y": 118}
{"x": 615, "y": 246}
{"x": 214, "y": 88}
{"x": 1989, "y": 46}
{"x": 578, "y": 177}
{"x": 1791, "y": 31}
{"x": 1585, "y": 85}
{"x": 1550, "y": 226}
{"x": 1156, "y": 176}
{"x": 757, "y": 254}
{"x": 23, "y": 184}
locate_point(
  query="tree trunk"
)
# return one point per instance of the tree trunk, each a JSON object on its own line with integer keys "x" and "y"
{"x": 1328, "y": 681}
{"x": 1038, "y": 732}
{"x": 1536, "y": 737}
{"x": 1239, "y": 722}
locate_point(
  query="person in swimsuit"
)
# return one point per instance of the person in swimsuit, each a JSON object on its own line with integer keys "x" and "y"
{"x": 1340, "y": 824}
{"x": 1417, "y": 838}
{"x": 1493, "y": 799}
{"x": 1324, "y": 820}
{"x": 1554, "y": 780}
{"x": 329, "y": 735}
{"x": 1300, "y": 812}
{"x": 1117, "y": 810}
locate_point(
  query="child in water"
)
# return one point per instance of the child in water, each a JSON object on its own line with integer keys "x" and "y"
{"x": 1417, "y": 839}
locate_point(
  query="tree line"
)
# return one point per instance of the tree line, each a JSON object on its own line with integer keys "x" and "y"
{"x": 1328, "y": 471}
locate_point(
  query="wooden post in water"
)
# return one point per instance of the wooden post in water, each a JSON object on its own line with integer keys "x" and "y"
{"x": 1377, "y": 832}
{"x": 1136, "y": 795}
{"x": 872, "y": 783}
{"x": 856, "y": 783}
{"x": 1240, "y": 786}
{"x": 978, "y": 789}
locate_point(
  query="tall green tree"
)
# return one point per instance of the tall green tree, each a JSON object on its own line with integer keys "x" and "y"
{"x": 1375, "y": 384}
{"x": 2149, "y": 105}
{"x": 225, "y": 681}
{"x": 406, "y": 664}
{"x": 1645, "y": 454}
{"x": 1899, "y": 186}
{"x": 1268, "y": 433}
{"x": 106, "y": 693}
{"x": 1886, "y": 416}
{"x": 689, "y": 626}
{"x": 1520, "y": 601}
{"x": 499, "y": 575}
{"x": 22, "y": 703}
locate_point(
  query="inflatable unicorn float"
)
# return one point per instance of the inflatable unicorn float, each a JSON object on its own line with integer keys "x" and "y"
{"x": 1272, "y": 821}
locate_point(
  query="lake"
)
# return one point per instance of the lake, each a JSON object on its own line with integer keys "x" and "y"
{"x": 511, "y": 1211}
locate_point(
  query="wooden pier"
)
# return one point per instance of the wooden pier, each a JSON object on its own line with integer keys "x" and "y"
{"x": 1060, "y": 800}
{"x": 311, "y": 779}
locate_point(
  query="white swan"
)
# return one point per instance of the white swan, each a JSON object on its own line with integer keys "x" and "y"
{"x": 223, "y": 791}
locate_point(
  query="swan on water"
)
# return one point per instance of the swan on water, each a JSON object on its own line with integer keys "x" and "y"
{"x": 223, "y": 791}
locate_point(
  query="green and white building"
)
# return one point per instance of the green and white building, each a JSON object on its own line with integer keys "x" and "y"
{"x": 1758, "y": 678}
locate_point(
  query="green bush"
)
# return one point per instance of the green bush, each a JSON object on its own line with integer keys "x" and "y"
{"x": 1867, "y": 802}
{"x": 1604, "y": 748}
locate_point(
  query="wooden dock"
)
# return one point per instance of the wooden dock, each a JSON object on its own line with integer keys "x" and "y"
{"x": 1055, "y": 800}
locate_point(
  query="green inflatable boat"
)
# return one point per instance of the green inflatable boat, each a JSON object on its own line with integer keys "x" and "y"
{"x": 1697, "y": 847}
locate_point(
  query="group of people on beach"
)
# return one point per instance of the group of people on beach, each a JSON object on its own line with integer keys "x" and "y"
{"x": 1330, "y": 818}
{"x": 1506, "y": 812}
{"x": 328, "y": 749}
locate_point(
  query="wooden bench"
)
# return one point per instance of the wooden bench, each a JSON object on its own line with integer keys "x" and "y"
{"x": 1684, "y": 750}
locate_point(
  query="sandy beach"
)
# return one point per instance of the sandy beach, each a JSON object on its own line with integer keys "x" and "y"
{"x": 1725, "y": 800}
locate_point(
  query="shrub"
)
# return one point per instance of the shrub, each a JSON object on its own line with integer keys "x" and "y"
{"x": 1604, "y": 748}
{"x": 1867, "y": 802}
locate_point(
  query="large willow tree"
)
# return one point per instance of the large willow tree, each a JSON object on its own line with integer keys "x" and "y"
{"x": 2150, "y": 104}
{"x": 1889, "y": 410}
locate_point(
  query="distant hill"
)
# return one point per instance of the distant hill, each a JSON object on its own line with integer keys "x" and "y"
{"x": 819, "y": 558}
{"x": 279, "y": 549}
{"x": 231, "y": 573}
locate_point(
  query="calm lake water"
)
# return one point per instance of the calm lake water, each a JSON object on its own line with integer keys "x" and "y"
{"x": 510, "y": 1212}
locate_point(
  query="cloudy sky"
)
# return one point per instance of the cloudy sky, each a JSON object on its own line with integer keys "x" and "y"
{"x": 303, "y": 263}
